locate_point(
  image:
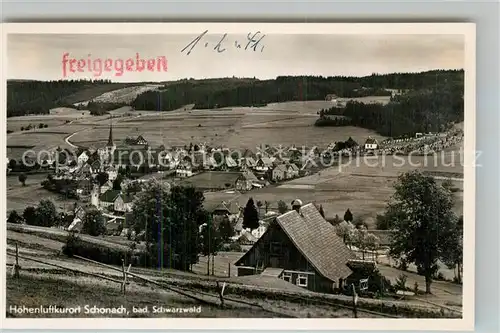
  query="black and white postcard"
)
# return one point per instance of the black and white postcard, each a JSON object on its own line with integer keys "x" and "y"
{"x": 319, "y": 174}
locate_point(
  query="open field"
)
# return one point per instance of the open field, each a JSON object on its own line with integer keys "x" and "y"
{"x": 284, "y": 123}
{"x": 123, "y": 95}
{"x": 60, "y": 236}
{"x": 221, "y": 262}
{"x": 15, "y": 123}
{"x": 19, "y": 197}
{"x": 367, "y": 100}
{"x": 240, "y": 127}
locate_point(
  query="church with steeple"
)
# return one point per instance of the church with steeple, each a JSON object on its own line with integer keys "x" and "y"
{"x": 110, "y": 146}
{"x": 127, "y": 152}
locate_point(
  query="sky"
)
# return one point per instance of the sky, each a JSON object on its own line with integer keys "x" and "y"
{"x": 40, "y": 56}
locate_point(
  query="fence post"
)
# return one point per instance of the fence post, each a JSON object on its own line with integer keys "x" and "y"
{"x": 228, "y": 269}
{"x": 354, "y": 301}
{"x": 221, "y": 293}
{"x": 15, "y": 268}
{"x": 213, "y": 264}
{"x": 124, "y": 276}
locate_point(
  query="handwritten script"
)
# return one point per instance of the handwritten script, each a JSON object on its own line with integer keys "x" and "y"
{"x": 252, "y": 43}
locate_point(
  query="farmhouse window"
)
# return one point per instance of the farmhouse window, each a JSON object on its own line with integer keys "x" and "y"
{"x": 275, "y": 248}
{"x": 302, "y": 280}
{"x": 287, "y": 276}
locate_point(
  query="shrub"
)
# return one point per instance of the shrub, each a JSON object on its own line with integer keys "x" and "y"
{"x": 231, "y": 247}
{"x": 235, "y": 247}
{"x": 401, "y": 282}
{"x": 14, "y": 217}
{"x": 76, "y": 246}
{"x": 403, "y": 265}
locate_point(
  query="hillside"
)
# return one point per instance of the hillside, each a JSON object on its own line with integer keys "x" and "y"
{"x": 37, "y": 97}
{"x": 124, "y": 95}
{"x": 233, "y": 92}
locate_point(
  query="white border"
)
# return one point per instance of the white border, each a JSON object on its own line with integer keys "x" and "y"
{"x": 468, "y": 30}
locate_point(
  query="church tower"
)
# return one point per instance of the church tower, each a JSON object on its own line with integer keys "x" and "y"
{"x": 110, "y": 146}
{"x": 94, "y": 199}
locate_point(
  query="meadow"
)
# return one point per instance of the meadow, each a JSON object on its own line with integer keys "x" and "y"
{"x": 19, "y": 197}
{"x": 278, "y": 124}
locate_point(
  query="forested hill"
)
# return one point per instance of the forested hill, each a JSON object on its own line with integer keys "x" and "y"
{"x": 27, "y": 97}
{"x": 223, "y": 93}
{"x": 38, "y": 97}
{"x": 431, "y": 107}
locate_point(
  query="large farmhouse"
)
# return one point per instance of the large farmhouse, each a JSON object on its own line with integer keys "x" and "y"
{"x": 303, "y": 249}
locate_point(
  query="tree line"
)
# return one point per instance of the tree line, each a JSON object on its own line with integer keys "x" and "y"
{"x": 214, "y": 94}
{"x": 30, "y": 97}
{"x": 429, "y": 110}
{"x": 38, "y": 97}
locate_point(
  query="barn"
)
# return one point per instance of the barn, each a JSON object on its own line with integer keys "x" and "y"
{"x": 302, "y": 248}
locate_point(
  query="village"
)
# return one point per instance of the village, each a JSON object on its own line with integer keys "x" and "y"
{"x": 108, "y": 177}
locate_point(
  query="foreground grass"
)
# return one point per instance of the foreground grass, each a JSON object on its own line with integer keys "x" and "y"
{"x": 35, "y": 291}
{"x": 252, "y": 288}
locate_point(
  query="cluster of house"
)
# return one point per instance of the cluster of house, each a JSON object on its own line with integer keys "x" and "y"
{"x": 424, "y": 142}
{"x": 267, "y": 164}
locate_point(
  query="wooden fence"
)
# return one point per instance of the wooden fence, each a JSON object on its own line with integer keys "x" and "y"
{"x": 220, "y": 299}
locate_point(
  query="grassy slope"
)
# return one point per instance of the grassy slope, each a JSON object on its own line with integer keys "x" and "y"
{"x": 34, "y": 290}
{"x": 93, "y": 91}
{"x": 250, "y": 287}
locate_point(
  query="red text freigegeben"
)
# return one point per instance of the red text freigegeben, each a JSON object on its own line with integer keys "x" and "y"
{"x": 97, "y": 66}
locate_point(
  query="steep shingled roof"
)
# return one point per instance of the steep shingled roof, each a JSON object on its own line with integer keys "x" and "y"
{"x": 316, "y": 239}
{"x": 109, "y": 196}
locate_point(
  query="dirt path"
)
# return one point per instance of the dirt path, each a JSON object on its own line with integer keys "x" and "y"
{"x": 66, "y": 139}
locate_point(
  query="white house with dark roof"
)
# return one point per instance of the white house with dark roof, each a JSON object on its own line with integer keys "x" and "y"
{"x": 279, "y": 173}
{"x": 304, "y": 250}
{"x": 106, "y": 186}
{"x": 247, "y": 180}
{"x": 292, "y": 170}
{"x": 112, "y": 172}
{"x": 371, "y": 144}
{"x": 107, "y": 199}
{"x": 123, "y": 203}
{"x": 82, "y": 158}
{"x": 263, "y": 164}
